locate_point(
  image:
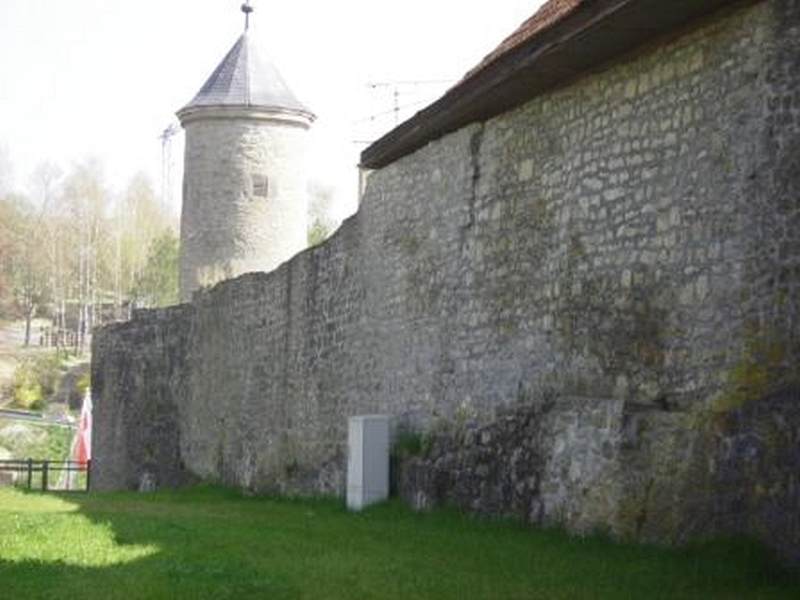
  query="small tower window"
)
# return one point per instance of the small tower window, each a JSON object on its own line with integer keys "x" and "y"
{"x": 260, "y": 186}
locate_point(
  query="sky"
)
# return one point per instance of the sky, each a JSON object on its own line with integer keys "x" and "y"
{"x": 102, "y": 79}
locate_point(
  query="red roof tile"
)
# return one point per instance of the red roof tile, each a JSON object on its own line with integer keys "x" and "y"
{"x": 563, "y": 39}
{"x": 548, "y": 15}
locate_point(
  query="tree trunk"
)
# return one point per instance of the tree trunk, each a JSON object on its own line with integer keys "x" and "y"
{"x": 27, "y": 328}
{"x": 30, "y": 312}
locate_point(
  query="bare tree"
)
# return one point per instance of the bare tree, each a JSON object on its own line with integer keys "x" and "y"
{"x": 6, "y": 172}
{"x": 85, "y": 199}
{"x": 67, "y": 251}
{"x": 25, "y": 262}
{"x": 44, "y": 182}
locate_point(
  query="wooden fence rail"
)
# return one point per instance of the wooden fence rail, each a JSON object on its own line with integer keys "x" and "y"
{"x": 23, "y": 471}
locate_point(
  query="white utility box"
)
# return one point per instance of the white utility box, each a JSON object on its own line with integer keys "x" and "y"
{"x": 367, "y": 460}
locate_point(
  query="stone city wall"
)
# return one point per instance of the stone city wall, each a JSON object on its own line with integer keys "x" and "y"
{"x": 594, "y": 296}
{"x": 142, "y": 375}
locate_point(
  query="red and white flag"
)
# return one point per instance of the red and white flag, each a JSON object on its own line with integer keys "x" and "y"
{"x": 82, "y": 449}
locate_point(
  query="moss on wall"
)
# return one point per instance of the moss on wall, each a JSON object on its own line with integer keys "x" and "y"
{"x": 767, "y": 363}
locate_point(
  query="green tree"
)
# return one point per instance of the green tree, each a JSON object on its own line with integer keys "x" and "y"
{"x": 139, "y": 221}
{"x": 321, "y": 224}
{"x": 157, "y": 283}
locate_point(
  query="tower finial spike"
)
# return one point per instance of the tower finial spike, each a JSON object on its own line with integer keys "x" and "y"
{"x": 247, "y": 9}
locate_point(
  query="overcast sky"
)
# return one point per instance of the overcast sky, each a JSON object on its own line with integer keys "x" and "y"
{"x": 103, "y": 78}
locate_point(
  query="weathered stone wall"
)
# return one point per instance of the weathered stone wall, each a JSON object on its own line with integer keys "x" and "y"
{"x": 142, "y": 372}
{"x": 227, "y": 228}
{"x": 615, "y": 263}
{"x": 636, "y": 471}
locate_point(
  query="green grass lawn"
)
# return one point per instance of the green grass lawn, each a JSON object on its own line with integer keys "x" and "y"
{"x": 211, "y": 543}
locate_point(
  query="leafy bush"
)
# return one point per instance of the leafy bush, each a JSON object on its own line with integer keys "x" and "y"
{"x": 83, "y": 384}
{"x": 317, "y": 233}
{"x": 35, "y": 380}
{"x": 407, "y": 444}
{"x": 412, "y": 443}
{"x": 27, "y": 393}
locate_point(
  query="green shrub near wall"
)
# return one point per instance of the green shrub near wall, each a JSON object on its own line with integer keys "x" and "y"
{"x": 35, "y": 380}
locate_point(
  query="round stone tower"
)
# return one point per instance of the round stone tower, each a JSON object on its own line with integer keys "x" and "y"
{"x": 244, "y": 182}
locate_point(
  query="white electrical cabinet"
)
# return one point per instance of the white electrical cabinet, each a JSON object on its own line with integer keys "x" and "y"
{"x": 367, "y": 460}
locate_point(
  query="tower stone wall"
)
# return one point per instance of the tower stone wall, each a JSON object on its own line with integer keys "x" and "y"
{"x": 244, "y": 196}
{"x": 244, "y": 182}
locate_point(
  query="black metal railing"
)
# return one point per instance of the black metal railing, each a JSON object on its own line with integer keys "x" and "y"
{"x": 39, "y": 474}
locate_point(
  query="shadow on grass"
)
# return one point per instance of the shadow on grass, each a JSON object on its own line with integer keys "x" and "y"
{"x": 215, "y": 543}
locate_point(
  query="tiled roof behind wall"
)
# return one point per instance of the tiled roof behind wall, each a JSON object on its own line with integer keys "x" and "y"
{"x": 549, "y": 14}
{"x": 561, "y": 41}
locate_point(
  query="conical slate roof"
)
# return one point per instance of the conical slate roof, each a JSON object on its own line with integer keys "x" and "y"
{"x": 245, "y": 78}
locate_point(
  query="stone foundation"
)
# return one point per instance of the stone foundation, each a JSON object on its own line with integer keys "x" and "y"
{"x": 637, "y": 472}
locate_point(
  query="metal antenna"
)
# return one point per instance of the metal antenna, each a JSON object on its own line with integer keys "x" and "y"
{"x": 166, "y": 164}
{"x": 247, "y": 9}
